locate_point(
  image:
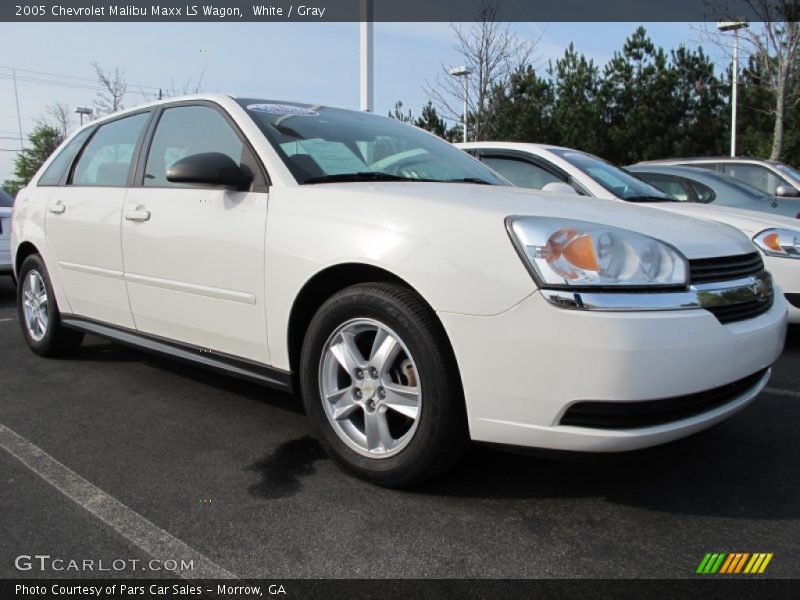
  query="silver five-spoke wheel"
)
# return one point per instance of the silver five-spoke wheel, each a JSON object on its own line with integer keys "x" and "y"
{"x": 369, "y": 387}
{"x": 35, "y": 305}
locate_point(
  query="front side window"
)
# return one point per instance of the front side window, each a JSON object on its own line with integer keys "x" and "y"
{"x": 620, "y": 183}
{"x": 322, "y": 145}
{"x": 186, "y": 130}
{"x": 668, "y": 185}
{"x": 520, "y": 172}
{"x": 53, "y": 174}
{"x": 106, "y": 159}
{"x": 755, "y": 175}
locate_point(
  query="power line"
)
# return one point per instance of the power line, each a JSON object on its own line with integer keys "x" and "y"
{"x": 68, "y": 84}
{"x": 75, "y": 77}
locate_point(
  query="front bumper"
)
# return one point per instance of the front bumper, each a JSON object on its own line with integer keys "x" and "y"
{"x": 521, "y": 370}
{"x": 786, "y": 273}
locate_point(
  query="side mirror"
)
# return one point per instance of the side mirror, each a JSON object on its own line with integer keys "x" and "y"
{"x": 211, "y": 168}
{"x": 784, "y": 190}
{"x": 559, "y": 188}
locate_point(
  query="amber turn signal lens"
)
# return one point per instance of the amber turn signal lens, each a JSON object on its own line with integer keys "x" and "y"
{"x": 773, "y": 242}
{"x": 580, "y": 253}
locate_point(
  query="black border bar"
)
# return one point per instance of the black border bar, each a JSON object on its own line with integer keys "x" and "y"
{"x": 382, "y": 10}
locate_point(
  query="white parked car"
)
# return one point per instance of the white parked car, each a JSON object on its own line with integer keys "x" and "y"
{"x": 6, "y": 210}
{"x": 260, "y": 239}
{"x": 553, "y": 168}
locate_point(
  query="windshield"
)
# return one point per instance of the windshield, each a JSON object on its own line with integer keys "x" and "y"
{"x": 615, "y": 180}
{"x": 791, "y": 172}
{"x": 325, "y": 145}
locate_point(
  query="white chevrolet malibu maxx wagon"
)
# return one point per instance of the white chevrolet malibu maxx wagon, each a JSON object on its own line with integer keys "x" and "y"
{"x": 414, "y": 300}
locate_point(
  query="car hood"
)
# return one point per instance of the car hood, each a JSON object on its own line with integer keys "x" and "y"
{"x": 693, "y": 237}
{"x": 748, "y": 221}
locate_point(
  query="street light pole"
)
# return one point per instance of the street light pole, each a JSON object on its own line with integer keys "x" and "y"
{"x": 465, "y": 73}
{"x": 466, "y": 104}
{"x": 366, "y": 57}
{"x": 734, "y": 26}
{"x": 83, "y": 110}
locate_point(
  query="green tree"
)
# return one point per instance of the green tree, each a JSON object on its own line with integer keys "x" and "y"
{"x": 639, "y": 109}
{"x": 755, "y": 120}
{"x": 576, "y": 115}
{"x": 399, "y": 114}
{"x": 700, "y": 104}
{"x": 42, "y": 142}
{"x": 429, "y": 120}
{"x": 522, "y": 108}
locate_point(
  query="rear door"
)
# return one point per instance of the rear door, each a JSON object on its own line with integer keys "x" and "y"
{"x": 83, "y": 221}
{"x": 194, "y": 254}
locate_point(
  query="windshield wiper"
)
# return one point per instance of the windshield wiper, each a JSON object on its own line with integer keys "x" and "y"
{"x": 359, "y": 176}
{"x": 650, "y": 199}
{"x": 468, "y": 180}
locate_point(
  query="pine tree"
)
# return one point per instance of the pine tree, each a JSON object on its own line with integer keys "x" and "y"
{"x": 42, "y": 142}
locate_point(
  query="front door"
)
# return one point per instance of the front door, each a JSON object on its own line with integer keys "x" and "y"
{"x": 194, "y": 255}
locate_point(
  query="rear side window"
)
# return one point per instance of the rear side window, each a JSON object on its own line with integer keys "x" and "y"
{"x": 186, "y": 130}
{"x": 55, "y": 172}
{"x": 521, "y": 173}
{"x": 6, "y": 201}
{"x": 107, "y": 157}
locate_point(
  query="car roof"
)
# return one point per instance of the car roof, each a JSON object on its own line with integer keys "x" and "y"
{"x": 218, "y": 98}
{"x": 670, "y": 169}
{"x": 702, "y": 159}
{"x": 522, "y": 146}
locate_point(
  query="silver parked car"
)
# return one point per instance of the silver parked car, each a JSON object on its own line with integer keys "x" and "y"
{"x": 770, "y": 176}
{"x": 692, "y": 184}
{"x": 6, "y": 207}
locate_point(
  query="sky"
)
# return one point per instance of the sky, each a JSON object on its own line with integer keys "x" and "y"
{"x": 308, "y": 62}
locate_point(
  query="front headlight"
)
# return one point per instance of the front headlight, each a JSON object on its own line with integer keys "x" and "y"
{"x": 565, "y": 253}
{"x": 779, "y": 242}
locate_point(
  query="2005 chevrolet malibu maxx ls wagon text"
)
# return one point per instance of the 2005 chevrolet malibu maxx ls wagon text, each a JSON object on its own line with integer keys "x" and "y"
{"x": 413, "y": 298}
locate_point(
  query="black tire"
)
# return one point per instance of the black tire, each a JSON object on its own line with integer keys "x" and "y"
{"x": 57, "y": 339}
{"x": 441, "y": 434}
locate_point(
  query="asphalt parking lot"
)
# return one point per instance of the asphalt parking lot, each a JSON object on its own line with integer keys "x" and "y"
{"x": 231, "y": 471}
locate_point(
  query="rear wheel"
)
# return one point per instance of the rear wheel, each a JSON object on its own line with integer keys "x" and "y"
{"x": 38, "y": 312}
{"x": 381, "y": 387}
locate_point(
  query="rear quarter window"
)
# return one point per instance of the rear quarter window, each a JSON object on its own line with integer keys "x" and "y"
{"x": 54, "y": 174}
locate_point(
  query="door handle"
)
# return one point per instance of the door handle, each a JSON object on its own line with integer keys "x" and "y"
{"x": 138, "y": 215}
{"x": 57, "y": 208}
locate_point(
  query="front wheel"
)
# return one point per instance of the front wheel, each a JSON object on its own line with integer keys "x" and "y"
{"x": 381, "y": 387}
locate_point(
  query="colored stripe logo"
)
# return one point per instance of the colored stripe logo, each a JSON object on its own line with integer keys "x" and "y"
{"x": 734, "y": 563}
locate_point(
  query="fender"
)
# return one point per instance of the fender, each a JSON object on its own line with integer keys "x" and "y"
{"x": 28, "y": 226}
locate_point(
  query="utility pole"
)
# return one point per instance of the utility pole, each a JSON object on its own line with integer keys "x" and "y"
{"x": 366, "y": 57}
{"x": 19, "y": 116}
